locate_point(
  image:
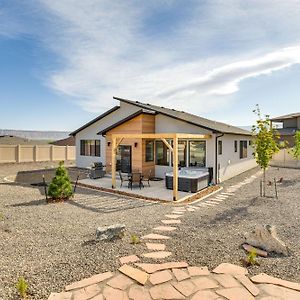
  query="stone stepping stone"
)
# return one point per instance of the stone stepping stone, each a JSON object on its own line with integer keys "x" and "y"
{"x": 209, "y": 204}
{"x": 205, "y": 295}
{"x": 156, "y": 246}
{"x": 86, "y": 293}
{"x": 226, "y": 268}
{"x": 259, "y": 252}
{"x": 228, "y": 193}
{"x": 275, "y": 291}
{"x": 110, "y": 293}
{"x": 178, "y": 212}
{"x": 165, "y": 228}
{"x": 120, "y": 282}
{"x": 160, "y": 277}
{"x": 264, "y": 278}
{"x": 89, "y": 281}
{"x": 137, "y": 292}
{"x": 154, "y": 236}
{"x": 205, "y": 282}
{"x": 129, "y": 259}
{"x": 173, "y": 216}
{"x": 165, "y": 291}
{"x": 135, "y": 274}
{"x": 212, "y": 202}
{"x": 190, "y": 209}
{"x": 245, "y": 281}
{"x": 198, "y": 271}
{"x": 235, "y": 293}
{"x": 185, "y": 287}
{"x": 219, "y": 200}
{"x": 226, "y": 280}
{"x": 171, "y": 221}
{"x": 157, "y": 254}
{"x": 151, "y": 268}
{"x": 180, "y": 274}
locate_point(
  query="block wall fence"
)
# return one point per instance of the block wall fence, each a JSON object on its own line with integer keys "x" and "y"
{"x": 35, "y": 153}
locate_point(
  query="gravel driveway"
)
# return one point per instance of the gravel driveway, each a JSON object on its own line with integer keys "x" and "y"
{"x": 53, "y": 245}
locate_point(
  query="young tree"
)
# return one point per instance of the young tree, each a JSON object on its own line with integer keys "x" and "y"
{"x": 296, "y": 149}
{"x": 264, "y": 143}
{"x": 60, "y": 187}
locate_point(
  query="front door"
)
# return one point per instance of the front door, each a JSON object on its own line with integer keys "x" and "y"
{"x": 124, "y": 159}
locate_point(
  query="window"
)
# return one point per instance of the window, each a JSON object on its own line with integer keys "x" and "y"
{"x": 235, "y": 146}
{"x": 182, "y": 153}
{"x": 149, "y": 151}
{"x": 250, "y": 143}
{"x": 90, "y": 148}
{"x": 197, "y": 153}
{"x": 162, "y": 154}
{"x": 220, "y": 147}
{"x": 243, "y": 149}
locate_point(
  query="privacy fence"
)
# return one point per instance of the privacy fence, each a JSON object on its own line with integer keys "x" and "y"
{"x": 35, "y": 153}
{"x": 284, "y": 159}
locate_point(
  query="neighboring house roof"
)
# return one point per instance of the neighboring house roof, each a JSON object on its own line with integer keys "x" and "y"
{"x": 286, "y": 131}
{"x": 214, "y": 126}
{"x": 139, "y": 112}
{"x": 94, "y": 120}
{"x": 69, "y": 141}
{"x": 284, "y": 117}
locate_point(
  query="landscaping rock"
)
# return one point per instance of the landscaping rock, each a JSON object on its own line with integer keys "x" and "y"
{"x": 259, "y": 252}
{"x": 265, "y": 237}
{"x": 108, "y": 233}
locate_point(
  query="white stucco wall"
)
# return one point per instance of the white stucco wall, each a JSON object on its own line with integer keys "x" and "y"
{"x": 90, "y": 133}
{"x": 230, "y": 162}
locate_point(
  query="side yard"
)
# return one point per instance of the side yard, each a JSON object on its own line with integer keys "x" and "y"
{"x": 53, "y": 245}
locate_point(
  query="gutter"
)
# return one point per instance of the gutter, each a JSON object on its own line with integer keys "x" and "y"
{"x": 216, "y": 157}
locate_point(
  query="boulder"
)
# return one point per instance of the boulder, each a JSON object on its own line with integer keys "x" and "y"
{"x": 265, "y": 237}
{"x": 108, "y": 233}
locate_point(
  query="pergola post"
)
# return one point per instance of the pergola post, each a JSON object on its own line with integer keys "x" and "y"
{"x": 113, "y": 161}
{"x": 175, "y": 168}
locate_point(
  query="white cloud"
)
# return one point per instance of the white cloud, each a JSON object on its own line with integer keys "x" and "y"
{"x": 105, "y": 50}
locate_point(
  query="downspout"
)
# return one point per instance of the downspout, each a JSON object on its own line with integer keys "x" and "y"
{"x": 216, "y": 158}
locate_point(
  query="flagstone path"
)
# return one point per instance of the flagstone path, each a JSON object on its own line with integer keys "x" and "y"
{"x": 136, "y": 280}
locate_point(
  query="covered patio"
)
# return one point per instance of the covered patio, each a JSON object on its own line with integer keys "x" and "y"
{"x": 116, "y": 140}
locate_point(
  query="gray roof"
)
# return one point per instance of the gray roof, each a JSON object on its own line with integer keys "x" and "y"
{"x": 288, "y": 116}
{"x": 214, "y": 126}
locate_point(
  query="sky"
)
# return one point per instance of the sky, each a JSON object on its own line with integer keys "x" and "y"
{"x": 62, "y": 61}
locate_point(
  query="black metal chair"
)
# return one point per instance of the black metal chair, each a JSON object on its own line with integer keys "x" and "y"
{"x": 122, "y": 178}
{"x": 135, "y": 178}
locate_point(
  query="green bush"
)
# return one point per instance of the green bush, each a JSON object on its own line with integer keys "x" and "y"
{"x": 60, "y": 188}
{"x": 22, "y": 287}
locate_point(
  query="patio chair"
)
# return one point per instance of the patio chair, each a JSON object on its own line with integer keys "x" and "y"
{"x": 136, "y": 178}
{"x": 147, "y": 177}
{"x": 122, "y": 178}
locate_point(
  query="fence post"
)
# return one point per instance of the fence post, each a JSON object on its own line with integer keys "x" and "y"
{"x": 35, "y": 150}
{"x": 18, "y": 153}
{"x": 67, "y": 152}
{"x": 51, "y": 152}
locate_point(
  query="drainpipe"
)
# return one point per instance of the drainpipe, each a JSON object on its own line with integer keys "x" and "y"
{"x": 216, "y": 158}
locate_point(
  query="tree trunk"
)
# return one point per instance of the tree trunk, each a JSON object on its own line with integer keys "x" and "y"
{"x": 264, "y": 183}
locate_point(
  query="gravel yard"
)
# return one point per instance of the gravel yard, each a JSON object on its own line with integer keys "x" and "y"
{"x": 214, "y": 235}
{"x": 53, "y": 245}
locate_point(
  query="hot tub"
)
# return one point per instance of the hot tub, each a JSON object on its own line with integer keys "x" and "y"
{"x": 189, "y": 180}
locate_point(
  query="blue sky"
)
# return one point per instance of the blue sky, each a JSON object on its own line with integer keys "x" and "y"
{"x": 62, "y": 61}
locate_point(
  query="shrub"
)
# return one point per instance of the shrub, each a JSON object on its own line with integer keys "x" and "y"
{"x": 22, "y": 287}
{"x": 60, "y": 188}
{"x": 134, "y": 239}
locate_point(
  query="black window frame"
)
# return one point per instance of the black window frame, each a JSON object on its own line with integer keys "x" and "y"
{"x": 151, "y": 158}
{"x": 203, "y": 164}
{"x": 167, "y": 154}
{"x": 90, "y": 148}
{"x": 243, "y": 149}
{"x": 220, "y": 147}
{"x": 235, "y": 146}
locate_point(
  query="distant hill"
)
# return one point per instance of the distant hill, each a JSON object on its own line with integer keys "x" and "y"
{"x": 36, "y": 135}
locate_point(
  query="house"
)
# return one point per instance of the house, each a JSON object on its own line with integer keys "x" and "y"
{"x": 144, "y": 134}
{"x": 287, "y": 125}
